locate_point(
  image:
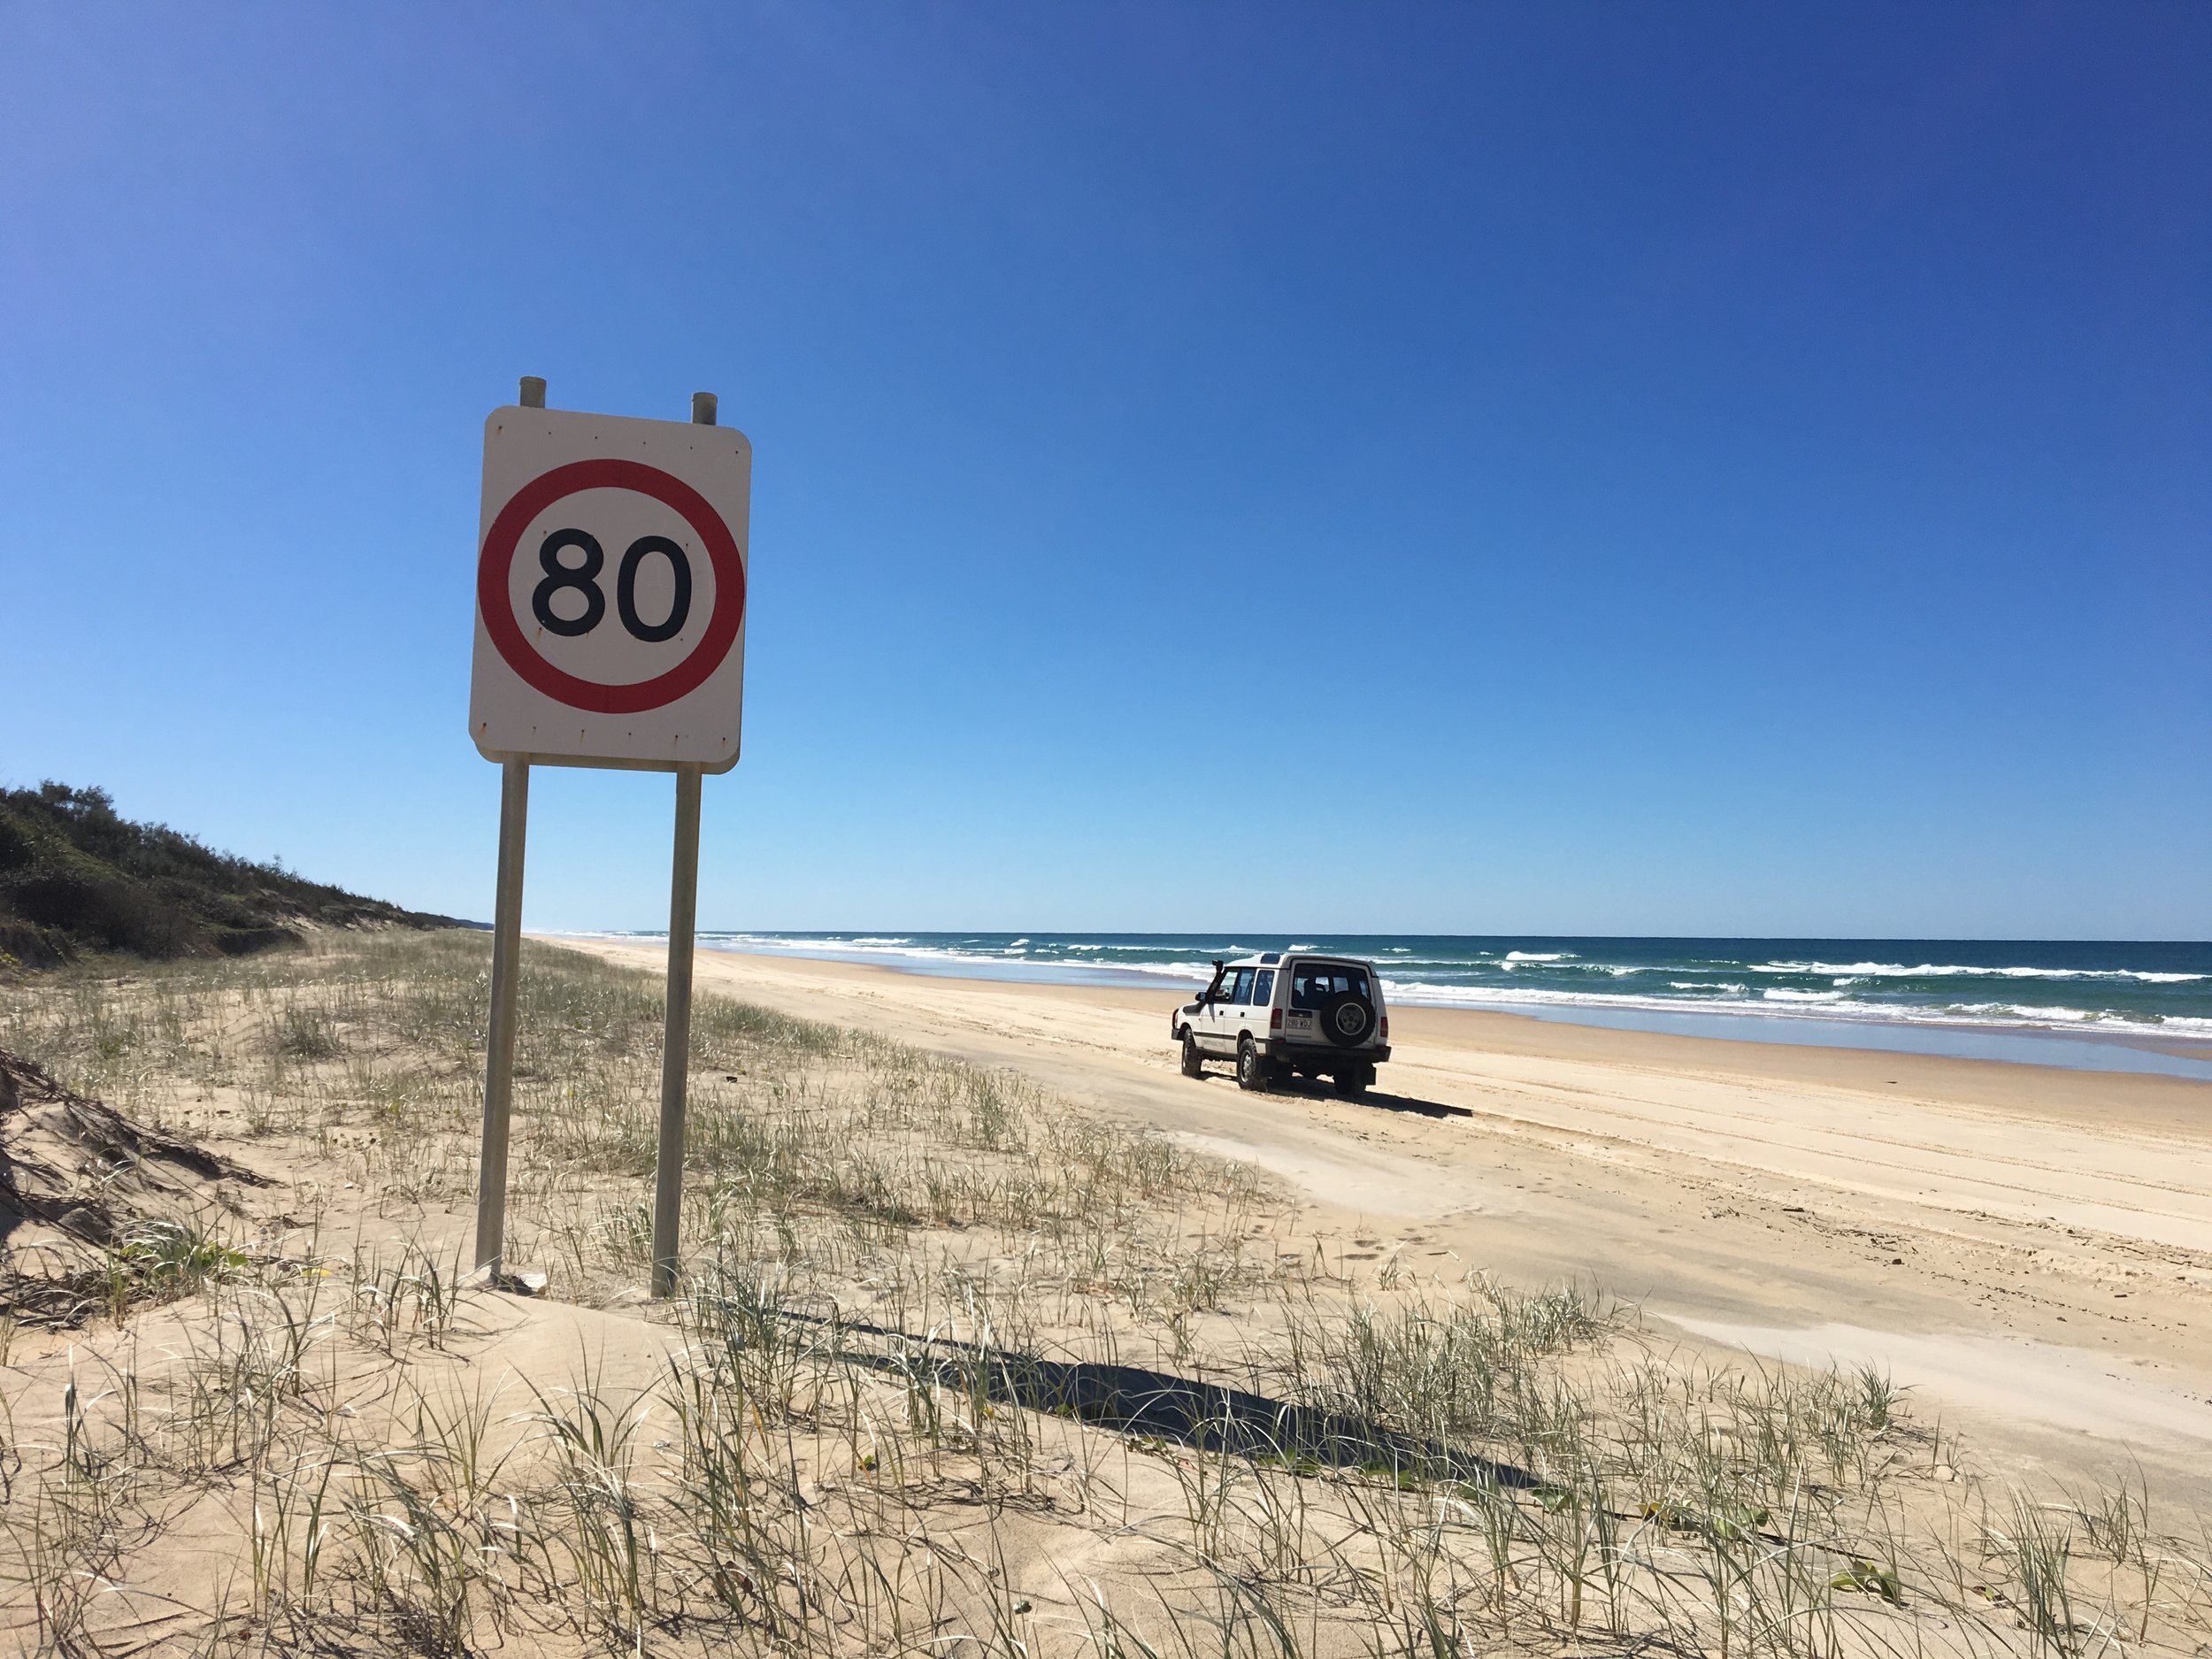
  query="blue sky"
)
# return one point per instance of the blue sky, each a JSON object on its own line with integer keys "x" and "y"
{"x": 1703, "y": 469}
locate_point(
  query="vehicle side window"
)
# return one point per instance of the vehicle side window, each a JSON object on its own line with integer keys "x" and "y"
{"x": 1243, "y": 997}
{"x": 1263, "y": 988}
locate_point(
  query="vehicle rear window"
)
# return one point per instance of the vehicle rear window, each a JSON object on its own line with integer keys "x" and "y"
{"x": 1314, "y": 983}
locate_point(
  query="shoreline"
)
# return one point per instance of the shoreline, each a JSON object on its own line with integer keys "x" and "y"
{"x": 2056, "y": 1047}
{"x": 2145, "y": 1098}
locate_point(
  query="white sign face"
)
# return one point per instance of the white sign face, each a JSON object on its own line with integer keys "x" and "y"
{"x": 610, "y": 590}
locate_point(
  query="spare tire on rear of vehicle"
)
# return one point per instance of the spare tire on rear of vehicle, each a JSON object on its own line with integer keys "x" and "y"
{"x": 1346, "y": 1018}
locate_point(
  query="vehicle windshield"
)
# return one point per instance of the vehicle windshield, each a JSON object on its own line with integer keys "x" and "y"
{"x": 1314, "y": 983}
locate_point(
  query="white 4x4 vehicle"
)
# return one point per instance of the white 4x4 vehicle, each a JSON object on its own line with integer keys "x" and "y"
{"x": 1286, "y": 1013}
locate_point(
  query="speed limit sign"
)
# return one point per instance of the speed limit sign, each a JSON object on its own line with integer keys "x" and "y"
{"x": 610, "y": 591}
{"x": 609, "y": 632}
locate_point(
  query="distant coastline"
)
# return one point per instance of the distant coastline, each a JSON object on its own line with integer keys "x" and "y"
{"x": 2097, "y": 1005}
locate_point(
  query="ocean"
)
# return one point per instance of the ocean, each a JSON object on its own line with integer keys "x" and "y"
{"x": 2105, "y": 1005}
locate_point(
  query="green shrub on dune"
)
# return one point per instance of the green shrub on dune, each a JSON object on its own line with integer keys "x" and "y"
{"x": 77, "y": 877}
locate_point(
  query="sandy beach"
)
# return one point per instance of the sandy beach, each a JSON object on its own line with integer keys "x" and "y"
{"x": 989, "y": 1319}
{"x": 2028, "y": 1250}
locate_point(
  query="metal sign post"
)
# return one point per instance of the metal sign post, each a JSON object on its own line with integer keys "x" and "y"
{"x": 683, "y": 915}
{"x": 653, "y": 682}
{"x": 683, "y": 906}
{"x": 499, "y": 1043}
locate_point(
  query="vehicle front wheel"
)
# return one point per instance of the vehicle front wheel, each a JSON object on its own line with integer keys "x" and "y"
{"x": 1252, "y": 1069}
{"x": 1194, "y": 1062}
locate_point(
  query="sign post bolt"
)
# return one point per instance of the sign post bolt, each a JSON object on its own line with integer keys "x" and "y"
{"x": 703, "y": 409}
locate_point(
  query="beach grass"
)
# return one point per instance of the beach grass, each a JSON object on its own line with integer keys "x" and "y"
{"x": 955, "y": 1367}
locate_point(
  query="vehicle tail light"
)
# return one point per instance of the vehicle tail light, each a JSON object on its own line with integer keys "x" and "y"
{"x": 1275, "y": 1020}
{"x": 1386, "y": 1028}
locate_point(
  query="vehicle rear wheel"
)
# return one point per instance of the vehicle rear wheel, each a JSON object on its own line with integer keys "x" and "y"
{"x": 1347, "y": 1019}
{"x": 1252, "y": 1068}
{"x": 1194, "y": 1062}
{"x": 1354, "y": 1080}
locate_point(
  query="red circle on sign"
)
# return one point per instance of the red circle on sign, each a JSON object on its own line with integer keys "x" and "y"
{"x": 495, "y": 605}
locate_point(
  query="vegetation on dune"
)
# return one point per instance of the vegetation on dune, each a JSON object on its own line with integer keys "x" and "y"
{"x": 76, "y": 878}
{"x": 89, "y": 1200}
{"x": 957, "y": 1369}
